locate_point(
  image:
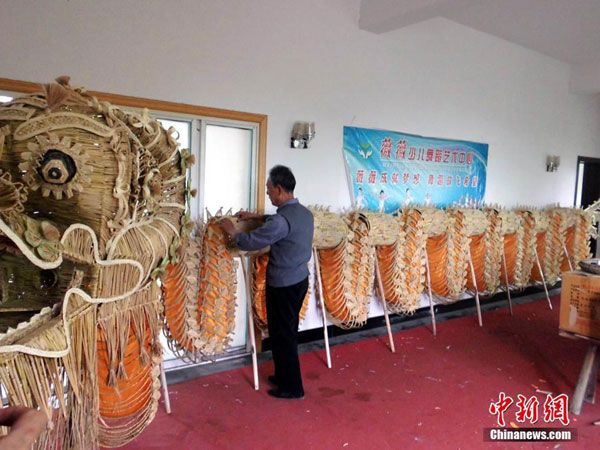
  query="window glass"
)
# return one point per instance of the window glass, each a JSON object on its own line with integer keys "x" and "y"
{"x": 228, "y": 168}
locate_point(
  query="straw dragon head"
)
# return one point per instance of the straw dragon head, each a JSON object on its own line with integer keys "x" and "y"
{"x": 92, "y": 209}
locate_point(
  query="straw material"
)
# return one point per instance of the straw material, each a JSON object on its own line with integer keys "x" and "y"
{"x": 593, "y": 214}
{"x": 330, "y": 229}
{"x": 92, "y": 206}
{"x": 217, "y": 291}
{"x": 391, "y": 260}
{"x": 384, "y": 228}
{"x": 200, "y": 294}
{"x": 200, "y": 290}
{"x": 493, "y": 251}
{"x": 476, "y": 225}
{"x": 129, "y": 355}
{"x": 577, "y": 240}
{"x": 447, "y": 251}
{"x": 525, "y": 258}
{"x": 347, "y": 274}
{"x": 553, "y": 253}
{"x": 180, "y": 285}
{"x": 402, "y": 264}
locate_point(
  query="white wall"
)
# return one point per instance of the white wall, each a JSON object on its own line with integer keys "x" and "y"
{"x": 308, "y": 60}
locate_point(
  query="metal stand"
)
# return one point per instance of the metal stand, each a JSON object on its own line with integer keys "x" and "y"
{"x": 537, "y": 260}
{"x": 431, "y": 311}
{"x": 384, "y": 303}
{"x": 567, "y": 256}
{"x": 476, "y": 289}
{"x": 165, "y": 388}
{"x": 322, "y": 302}
{"x": 506, "y": 280}
{"x": 250, "y": 320}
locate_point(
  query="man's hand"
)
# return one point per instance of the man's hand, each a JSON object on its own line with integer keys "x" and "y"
{"x": 227, "y": 226}
{"x": 246, "y": 215}
{"x": 26, "y": 424}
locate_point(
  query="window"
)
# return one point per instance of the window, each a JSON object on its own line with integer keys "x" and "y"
{"x": 225, "y": 177}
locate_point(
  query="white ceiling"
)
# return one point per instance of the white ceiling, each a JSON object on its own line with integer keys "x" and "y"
{"x": 567, "y": 30}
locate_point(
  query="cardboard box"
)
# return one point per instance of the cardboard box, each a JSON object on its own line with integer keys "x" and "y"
{"x": 580, "y": 304}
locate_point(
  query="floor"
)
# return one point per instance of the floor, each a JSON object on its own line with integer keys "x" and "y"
{"x": 432, "y": 393}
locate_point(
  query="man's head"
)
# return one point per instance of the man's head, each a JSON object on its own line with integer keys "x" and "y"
{"x": 280, "y": 185}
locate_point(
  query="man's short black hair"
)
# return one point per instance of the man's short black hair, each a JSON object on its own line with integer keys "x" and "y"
{"x": 282, "y": 176}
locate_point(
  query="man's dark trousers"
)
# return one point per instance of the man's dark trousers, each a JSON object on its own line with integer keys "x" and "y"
{"x": 283, "y": 313}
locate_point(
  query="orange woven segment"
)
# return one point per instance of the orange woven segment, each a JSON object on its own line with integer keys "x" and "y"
{"x": 173, "y": 288}
{"x": 332, "y": 277}
{"x": 131, "y": 394}
{"x": 347, "y": 274}
{"x": 217, "y": 292}
{"x": 413, "y": 267}
{"x": 581, "y": 240}
{"x": 510, "y": 250}
{"x": 477, "y": 247}
{"x": 541, "y": 246}
{"x": 437, "y": 253}
{"x": 569, "y": 244}
{"x": 386, "y": 256}
{"x": 359, "y": 284}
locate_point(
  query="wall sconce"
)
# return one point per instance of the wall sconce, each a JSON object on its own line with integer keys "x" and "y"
{"x": 552, "y": 163}
{"x": 302, "y": 134}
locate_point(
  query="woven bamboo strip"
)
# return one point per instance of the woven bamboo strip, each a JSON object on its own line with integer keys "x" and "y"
{"x": 129, "y": 355}
{"x": 347, "y": 273}
{"x": 217, "y": 291}
{"x": 180, "y": 296}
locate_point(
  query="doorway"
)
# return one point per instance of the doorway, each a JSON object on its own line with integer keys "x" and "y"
{"x": 587, "y": 189}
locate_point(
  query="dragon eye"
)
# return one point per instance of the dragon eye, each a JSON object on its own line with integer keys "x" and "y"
{"x": 57, "y": 167}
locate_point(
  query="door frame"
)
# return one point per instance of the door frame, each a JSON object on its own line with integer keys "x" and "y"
{"x": 582, "y": 159}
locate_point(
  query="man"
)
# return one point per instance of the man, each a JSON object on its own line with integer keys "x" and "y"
{"x": 289, "y": 233}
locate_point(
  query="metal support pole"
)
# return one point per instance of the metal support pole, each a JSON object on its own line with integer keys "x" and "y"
{"x": 431, "y": 311}
{"x": 476, "y": 289}
{"x": 567, "y": 256}
{"x": 506, "y": 280}
{"x": 165, "y": 388}
{"x": 537, "y": 260}
{"x": 322, "y": 302}
{"x": 383, "y": 302}
{"x": 250, "y": 317}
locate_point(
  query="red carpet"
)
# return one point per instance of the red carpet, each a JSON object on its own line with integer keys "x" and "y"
{"x": 431, "y": 394}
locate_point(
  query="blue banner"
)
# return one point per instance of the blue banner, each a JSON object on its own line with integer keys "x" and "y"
{"x": 389, "y": 170}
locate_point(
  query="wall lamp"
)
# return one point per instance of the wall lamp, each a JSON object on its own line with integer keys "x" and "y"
{"x": 302, "y": 134}
{"x": 552, "y": 163}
